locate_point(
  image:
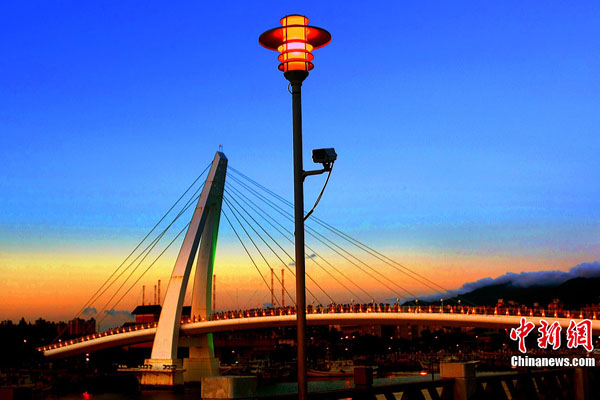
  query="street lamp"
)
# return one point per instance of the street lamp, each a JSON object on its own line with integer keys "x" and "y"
{"x": 295, "y": 40}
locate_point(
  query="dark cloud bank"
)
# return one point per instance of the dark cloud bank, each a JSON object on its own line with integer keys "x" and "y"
{"x": 527, "y": 279}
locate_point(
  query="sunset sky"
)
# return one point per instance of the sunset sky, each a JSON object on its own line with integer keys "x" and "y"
{"x": 466, "y": 133}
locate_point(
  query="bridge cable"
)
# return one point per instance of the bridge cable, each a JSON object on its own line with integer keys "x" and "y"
{"x": 285, "y": 252}
{"x": 151, "y": 246}
{"x": 310, "y": 229}
{"x": 249, "y": 299}
{"x": 310, "y": 232}
{"x": 314, "y": 233}
{"x": 234, "y": 212}
{"x": 283, "y": 213}
{"x": 275, "y": 275}
{"x": 244, "y": 246}
{"x": 96, "y": 296}
{"x": 348, "y": 237}
{"x": 289, "y": 256}
{"x": 283, "y": 262}
{"x": 144, "y": 273}
{"x": 277, "y": 255}
{"x": 389, "y": 261}
{"x": 358, "y": 244}
{"x": 93, "y": 297}
{"x": 268, "y": 218}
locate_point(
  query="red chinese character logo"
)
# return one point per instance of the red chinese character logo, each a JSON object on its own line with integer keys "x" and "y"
{"x": 521, "y": 333}
{"x": 550, "y": 335}
{"x": 580, "y": 335}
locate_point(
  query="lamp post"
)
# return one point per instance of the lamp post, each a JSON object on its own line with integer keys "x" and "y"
{"x": 295, "y": 40}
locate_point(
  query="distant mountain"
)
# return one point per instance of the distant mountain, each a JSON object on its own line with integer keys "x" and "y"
{"x": 574, "y": 293}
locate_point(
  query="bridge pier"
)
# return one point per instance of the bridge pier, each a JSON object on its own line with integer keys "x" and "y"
{"x": 229, "y": 387}
{"x": 201, "y": 362}
{"x": 199, "y": 367}
{"x": 162, "y": 373}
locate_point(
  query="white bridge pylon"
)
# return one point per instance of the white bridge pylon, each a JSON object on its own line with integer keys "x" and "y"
{"x": 164, "y": 368}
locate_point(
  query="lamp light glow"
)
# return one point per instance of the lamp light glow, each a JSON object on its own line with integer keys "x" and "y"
{"x": 295, "y": 40}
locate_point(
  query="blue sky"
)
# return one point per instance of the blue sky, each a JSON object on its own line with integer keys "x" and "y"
{"x": 461, "y": 127}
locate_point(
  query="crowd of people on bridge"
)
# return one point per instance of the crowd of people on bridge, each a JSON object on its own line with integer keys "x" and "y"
{"x": 397, "y": 308}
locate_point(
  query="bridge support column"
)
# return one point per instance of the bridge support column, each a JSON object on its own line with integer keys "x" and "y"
{"x": 202, "y": 362}
{"x": 163, "y": 368}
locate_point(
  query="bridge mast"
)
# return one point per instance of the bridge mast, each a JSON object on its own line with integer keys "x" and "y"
{"x": 201, "y": 237}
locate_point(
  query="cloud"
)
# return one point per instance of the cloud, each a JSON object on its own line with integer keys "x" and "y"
{"x": 526, "y": 279}
{"x": 116, "y": 313}
{"x": 293, "y": 264}
{"x": 392, "y": 300}
{"x": 537, "y": 278}
{"x": 90, "y": 311}
{"x": 114, "y": 318}
{"x": 586, "y": 270}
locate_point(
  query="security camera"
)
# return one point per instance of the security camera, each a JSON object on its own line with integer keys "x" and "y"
{"x": 324, "y": 156}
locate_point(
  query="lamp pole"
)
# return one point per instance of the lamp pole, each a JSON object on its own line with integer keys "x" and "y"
{"x": 296, "y": 78}
{"x": 295, "y": 40}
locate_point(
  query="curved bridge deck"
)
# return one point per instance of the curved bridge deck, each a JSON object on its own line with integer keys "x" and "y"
{"x": 234, "y": 321}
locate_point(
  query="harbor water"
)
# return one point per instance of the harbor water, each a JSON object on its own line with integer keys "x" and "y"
{"x": 269, "y": 389}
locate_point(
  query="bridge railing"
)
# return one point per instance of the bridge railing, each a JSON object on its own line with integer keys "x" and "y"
{"x": 440, "y": 389}
{"x": 349, "y": 308}
{"x": 109, "y": 332}
{"x": 394, "y": 308}
{"x": 558, "y": 384}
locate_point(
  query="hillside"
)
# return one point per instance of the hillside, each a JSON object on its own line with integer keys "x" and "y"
{"x": 574, "y": 293}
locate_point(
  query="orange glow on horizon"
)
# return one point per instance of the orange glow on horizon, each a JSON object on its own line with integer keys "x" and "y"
{"x": 63, "y": 282}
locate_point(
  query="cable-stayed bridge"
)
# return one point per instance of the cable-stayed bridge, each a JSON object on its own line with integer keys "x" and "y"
{"x": 258, "y": 217}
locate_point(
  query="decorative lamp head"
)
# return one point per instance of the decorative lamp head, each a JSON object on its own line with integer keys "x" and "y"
{"x": 295, "y": 40}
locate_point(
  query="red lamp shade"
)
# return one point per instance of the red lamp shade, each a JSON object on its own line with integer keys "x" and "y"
{"x": 295, "y": 40}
